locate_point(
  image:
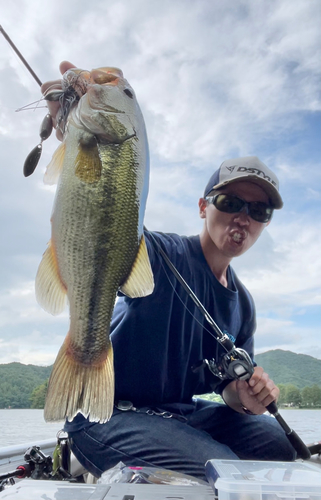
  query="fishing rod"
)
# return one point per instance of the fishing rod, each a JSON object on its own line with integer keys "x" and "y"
{"x": 20, "y": 56}
{"x": 236, "y": 363}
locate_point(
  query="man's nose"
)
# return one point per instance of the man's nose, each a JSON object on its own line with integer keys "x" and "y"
{"x": 243, "y": 216}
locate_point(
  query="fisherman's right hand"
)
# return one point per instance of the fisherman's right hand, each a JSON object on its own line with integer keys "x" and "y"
{"x": 54, "y": 106}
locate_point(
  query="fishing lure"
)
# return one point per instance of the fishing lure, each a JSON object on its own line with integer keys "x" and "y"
{"x": 34, "y": 156}
{"x": 66, "y": 98}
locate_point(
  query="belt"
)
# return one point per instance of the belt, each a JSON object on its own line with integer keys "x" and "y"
{"x": 129, "y": 406}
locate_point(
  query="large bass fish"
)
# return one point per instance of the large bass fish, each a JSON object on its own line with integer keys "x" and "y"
{"x": 97, "y": 245}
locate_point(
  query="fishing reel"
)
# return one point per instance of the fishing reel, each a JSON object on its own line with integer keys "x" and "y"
{"x": 40, "y": 464}
{"x": 233, "y": 365}
{"x": 37, "y": 465}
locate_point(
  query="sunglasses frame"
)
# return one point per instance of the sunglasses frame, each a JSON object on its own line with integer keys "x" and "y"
{"x": 248, "y": 204}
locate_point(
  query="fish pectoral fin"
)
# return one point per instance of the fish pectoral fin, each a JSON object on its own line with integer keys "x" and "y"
{"x": 141, "y": 280}
{"x": 55, "y": 166}
{"x": 50, "y": 291}
{"x": 87, "y": 388}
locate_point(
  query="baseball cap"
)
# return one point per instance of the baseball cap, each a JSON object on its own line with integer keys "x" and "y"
{"x": 250, "y": 169}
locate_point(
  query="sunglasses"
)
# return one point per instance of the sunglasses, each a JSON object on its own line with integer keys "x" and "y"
{"x": 231, "y": 204}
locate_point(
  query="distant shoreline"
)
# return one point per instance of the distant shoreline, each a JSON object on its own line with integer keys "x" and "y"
{"x": 298, "y": 408}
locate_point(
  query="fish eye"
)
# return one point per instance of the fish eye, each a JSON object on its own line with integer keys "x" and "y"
{"x": 129, "y": 93}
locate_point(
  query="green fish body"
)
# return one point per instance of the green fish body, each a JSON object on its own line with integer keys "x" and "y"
{"x": 97, "y": 245}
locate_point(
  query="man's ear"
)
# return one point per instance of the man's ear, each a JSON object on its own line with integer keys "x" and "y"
{"x": 202, "y": 203}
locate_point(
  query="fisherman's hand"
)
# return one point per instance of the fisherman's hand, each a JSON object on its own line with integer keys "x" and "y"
{"x": 258, "y": 392}
{"x": 54, "y": 106}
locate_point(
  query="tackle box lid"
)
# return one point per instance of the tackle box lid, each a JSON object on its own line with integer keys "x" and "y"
{"x": 29, "y": 489}
{"x": 264, "y": 480}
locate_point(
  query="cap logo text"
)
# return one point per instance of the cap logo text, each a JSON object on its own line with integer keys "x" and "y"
{"x": 257, "y": 172}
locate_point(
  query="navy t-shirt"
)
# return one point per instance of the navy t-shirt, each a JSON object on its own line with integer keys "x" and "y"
{"x": 157, "y": 339}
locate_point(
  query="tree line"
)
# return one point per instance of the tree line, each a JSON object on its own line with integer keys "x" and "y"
{"x": 291, "y": 395}
{"x": 17, "y": 382}
{"x": 298, "y": 378}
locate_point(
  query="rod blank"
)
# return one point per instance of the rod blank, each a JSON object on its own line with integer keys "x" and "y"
{"x": 20, "y": 55}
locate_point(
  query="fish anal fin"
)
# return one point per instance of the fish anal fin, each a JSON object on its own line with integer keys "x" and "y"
{"x": 55, "y": 166}
{"x": 88, "y": 164}
{"x": 87, "y": 388}
{"x": 140, "y": 281}
{"x": 50, "y": 290}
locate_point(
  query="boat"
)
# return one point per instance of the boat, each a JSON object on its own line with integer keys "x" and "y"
{"x": 28, "y": 472}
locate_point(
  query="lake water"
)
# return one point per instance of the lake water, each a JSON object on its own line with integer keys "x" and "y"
{"x": 23, "y": 426}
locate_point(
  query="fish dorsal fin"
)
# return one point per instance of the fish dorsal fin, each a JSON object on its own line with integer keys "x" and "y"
{"x": 55, "y": 166}
{"x": 88, "y": 164}
{"x": 50, "y": 291}
{"x": 140, "y": 281}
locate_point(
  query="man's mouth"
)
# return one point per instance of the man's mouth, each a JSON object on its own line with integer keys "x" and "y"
{"x": 238, "y": 237}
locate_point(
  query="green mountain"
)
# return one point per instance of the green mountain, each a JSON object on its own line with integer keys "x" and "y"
{"x": 17, "y": 381}
{"x": 286, "y": 367}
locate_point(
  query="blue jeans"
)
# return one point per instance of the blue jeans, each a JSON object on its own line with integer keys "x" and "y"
{"x": 211, "y": 430}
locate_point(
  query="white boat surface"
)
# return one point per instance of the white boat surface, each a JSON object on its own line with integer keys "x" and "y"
{"x": 82, "y": 486}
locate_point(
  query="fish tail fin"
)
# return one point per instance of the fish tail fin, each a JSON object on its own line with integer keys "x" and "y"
{"x": 75, "y": 387}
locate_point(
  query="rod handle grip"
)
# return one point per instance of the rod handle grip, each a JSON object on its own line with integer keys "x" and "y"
{"x": 272, "y": 408}
{"x": 299, "y": 446}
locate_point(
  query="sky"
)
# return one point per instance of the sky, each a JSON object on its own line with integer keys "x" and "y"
{"x": 215, "y": 80}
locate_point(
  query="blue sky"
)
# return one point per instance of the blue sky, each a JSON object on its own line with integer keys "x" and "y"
{"x": 215, "y": 80}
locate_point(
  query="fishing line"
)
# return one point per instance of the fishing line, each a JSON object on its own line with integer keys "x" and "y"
{"x": 158, "y": 248}
{"x": 27, "y": 108}
{"x": 222, "y": 338}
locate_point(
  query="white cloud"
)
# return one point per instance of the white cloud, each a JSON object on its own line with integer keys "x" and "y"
{"x": 35, "y": 349}
{"x": 19, "y": 306}
{"x": 285, "y": 335}
{"x": 293, "y": 270}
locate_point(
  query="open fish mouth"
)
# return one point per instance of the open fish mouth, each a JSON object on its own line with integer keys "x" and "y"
{"x": 76, "y": 83}
{"x": 79, "y": 79}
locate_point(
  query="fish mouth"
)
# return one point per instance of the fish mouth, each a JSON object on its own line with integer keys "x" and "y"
{"x": 103, "y": 76}
{"x": 80, "y": 79}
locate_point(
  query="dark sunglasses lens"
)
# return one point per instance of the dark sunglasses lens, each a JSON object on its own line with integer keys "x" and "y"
{"x": 233, "y": 204}
{"x": 228, "y": 203}
{"x": 260, "y": 211}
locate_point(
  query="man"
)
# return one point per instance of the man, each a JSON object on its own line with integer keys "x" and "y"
{"x": 159, "y": 340}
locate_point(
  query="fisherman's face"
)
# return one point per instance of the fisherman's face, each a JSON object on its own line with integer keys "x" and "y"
{"x": 234, "y": 234}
